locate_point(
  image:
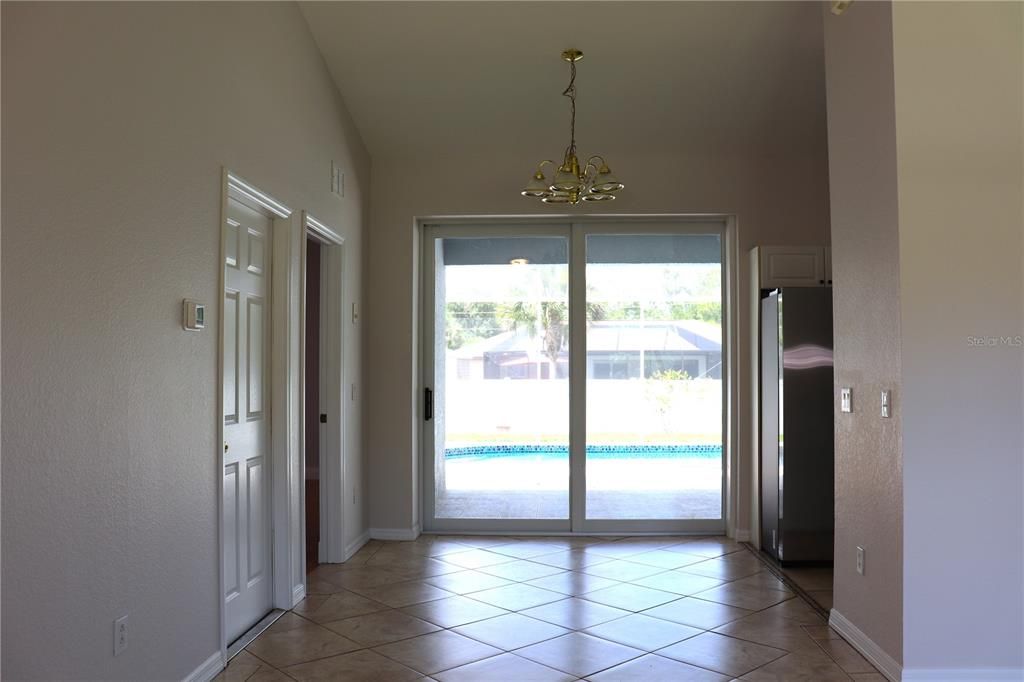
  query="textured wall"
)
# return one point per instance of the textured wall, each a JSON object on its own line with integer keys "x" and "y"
{"x": 959, "y": 91}
{"x": 866, "y": 312}
{"x": 117, "y": 119}
{"x": 780, "y": 200}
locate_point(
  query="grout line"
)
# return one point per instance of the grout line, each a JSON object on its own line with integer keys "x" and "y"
{"x": 580, "y": 570}
{"x": 789, "y": 582}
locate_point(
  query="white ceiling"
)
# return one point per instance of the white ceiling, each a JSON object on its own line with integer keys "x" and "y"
{"x": 427, "y": 78}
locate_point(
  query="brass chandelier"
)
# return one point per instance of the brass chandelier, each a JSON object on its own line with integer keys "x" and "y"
{"x": 572, "y": 183}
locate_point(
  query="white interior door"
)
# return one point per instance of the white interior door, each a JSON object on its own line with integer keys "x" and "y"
{"x": 247, "y": 549}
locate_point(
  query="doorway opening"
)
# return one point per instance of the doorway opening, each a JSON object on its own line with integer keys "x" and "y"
{"x": 323, "y": 394}
{"x": 576, "y": 376}
{"x": 313, "y": 417}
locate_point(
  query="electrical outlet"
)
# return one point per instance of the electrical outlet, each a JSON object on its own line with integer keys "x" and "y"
{"x": 860, "y": 560}
{"x": 120, "y": 635}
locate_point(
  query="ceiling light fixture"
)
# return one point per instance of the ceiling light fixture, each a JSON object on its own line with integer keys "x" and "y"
{"x": 571, "y": 183}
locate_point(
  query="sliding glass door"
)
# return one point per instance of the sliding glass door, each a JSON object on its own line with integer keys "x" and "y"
{"x": 654, "y": 377}
{"x": 574, "y": 377}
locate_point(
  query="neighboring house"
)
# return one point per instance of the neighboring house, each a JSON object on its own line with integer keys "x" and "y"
{"x": 615, "y": 350}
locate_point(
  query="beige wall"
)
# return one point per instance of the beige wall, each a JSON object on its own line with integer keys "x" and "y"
{"x": 776, "y": 200}
{"x": 866, "y": 313}
{"x": 959, "y": 89}
{"x": 927, "y": 177}
{"x": 117, "y": 119}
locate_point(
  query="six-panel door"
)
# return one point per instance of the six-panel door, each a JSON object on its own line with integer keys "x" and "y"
{"x": 247, "y": 569}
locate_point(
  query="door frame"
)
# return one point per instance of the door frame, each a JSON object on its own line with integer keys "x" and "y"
{"x": 333, "y": 472}
{"x": 563, "y": 225}
{"x": 443, "y": 230}
{"x": 283, "y": 408}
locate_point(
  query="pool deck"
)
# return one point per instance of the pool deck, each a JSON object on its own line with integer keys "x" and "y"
{"x": 622, "y": 488}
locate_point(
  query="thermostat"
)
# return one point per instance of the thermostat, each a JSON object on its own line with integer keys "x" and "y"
{"x": 193, "y": 315}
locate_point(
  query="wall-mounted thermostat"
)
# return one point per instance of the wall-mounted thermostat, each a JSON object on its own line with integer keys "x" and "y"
{"x": 193, "y": 315}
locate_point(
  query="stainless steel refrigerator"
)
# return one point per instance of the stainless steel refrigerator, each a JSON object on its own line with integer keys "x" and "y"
{"x": 797, "y": 485}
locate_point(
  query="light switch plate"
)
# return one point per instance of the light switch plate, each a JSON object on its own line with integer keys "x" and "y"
{"x": 846, "y": 400}
{"x": 193, "y": 315}
{"x": 886, "y": 403}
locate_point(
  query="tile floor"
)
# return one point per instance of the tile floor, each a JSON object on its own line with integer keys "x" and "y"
{"x": 478, "y": 608}
{"x": 816, "y": 581}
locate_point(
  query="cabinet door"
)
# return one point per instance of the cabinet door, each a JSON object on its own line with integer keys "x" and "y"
{"x": 828, "y": 266}
{"x": 792, "y": 266}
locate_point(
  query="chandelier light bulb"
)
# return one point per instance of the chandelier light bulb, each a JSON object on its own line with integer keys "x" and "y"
{"x": 571, "y": 183}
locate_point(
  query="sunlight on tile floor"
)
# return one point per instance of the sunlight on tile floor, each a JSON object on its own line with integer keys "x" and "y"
{"x": 477, "y": 609}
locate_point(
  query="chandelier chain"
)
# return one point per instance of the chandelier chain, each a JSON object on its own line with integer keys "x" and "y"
{"x": 570, "y": 92}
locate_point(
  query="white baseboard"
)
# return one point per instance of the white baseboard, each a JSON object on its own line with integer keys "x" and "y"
{"x": 742, "y": 535}
{"x": 402, "y": 534}
{"x": 885, "y": 663}
{"x": 962, "y": 674}
{"x": 356, "y": 545}
{"x": 298, "y": 593}
{"x": 208, "y": 669}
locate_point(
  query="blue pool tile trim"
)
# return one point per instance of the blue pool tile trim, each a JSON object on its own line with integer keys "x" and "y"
{"x": 596, "y": 451}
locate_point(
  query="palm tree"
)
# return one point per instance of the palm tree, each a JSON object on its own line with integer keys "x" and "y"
{"x": 548, "y": 318}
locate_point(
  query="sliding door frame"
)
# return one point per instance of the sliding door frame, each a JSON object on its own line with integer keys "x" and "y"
{"x": 433, "y": 234}
{"x": 576, "y": 229}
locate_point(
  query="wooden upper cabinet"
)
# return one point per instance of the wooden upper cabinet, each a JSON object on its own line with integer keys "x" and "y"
{"x": 794, "y": 266}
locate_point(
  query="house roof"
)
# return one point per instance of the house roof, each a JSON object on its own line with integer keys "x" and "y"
{"x": 611, "y": 336}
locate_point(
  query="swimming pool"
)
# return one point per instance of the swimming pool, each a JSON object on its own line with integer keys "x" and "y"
{"x": 519, "y": 480}
{"x": 614, "y": 451}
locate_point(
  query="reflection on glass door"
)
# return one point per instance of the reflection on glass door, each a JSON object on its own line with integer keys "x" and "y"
{"x": 500, "y": 377}
{"x": 654, "y": 377}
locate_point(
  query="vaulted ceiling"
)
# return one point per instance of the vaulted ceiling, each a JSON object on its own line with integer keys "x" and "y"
{"x": 434, "y": 78}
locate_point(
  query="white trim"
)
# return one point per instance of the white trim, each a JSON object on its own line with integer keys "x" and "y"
{"x": 577, "y": 267}
{"x": 356, "y": 545}
{"x": 298, "y": 593}
{"x": 962, "y": 674}
{"x": 245, "y": 192}
{"x": 752, "y": 450}
{"x": 399, "y": 534}
{"x": 885, "y": 663}
{"x": 742, "y": 535}
{"x": 731, "y": 303}
{"x": 324, "y": 232}
{"x": 286, "y": 411}
{"x": 572, "y": 534}
{"x": 209, "y": 668}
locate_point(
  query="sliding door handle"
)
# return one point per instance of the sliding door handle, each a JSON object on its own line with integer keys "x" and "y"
{"x": 428, "y": 404}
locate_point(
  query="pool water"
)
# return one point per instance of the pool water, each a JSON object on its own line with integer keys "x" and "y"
{"x": 622, "y": 482}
